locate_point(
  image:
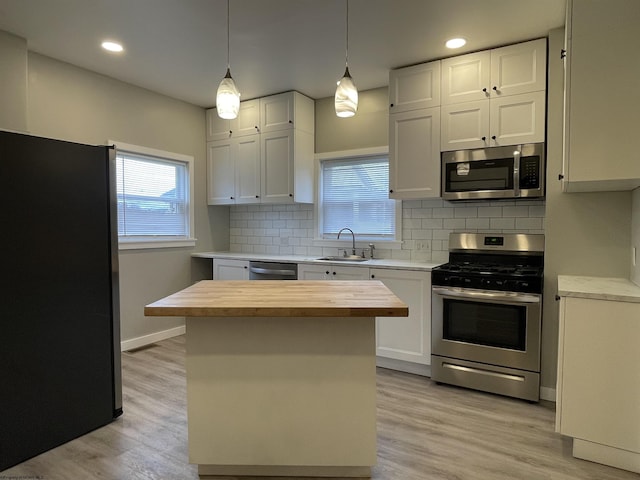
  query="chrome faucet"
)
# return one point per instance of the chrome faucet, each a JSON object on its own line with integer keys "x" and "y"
{"x": 353, "y": 250}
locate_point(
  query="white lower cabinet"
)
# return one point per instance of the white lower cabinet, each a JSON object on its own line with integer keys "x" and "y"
{"x": 598, "y": 390}
{"x": 225, "y": 269}
{"x": 402, "y": 338}
{"x": 402, "y": 343}
{"x": 332, "y": 272}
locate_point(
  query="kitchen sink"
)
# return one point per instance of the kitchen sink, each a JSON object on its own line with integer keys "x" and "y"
{"x": 342, "y": 258}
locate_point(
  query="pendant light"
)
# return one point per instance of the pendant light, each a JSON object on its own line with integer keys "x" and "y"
{"x": 346, "y": 98}
{"x": 228, "y": 97}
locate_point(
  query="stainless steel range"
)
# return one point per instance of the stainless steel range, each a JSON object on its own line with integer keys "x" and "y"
{"x": 487, "y": 314}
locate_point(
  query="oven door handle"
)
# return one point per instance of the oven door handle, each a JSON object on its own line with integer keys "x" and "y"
{"x": 487, "y": 295}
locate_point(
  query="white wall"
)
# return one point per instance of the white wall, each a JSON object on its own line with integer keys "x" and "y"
{"x": 13, "y": 82}
{"x": 69, "y": 103}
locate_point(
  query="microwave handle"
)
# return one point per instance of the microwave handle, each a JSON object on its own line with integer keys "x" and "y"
{"x": 516, "y": 172}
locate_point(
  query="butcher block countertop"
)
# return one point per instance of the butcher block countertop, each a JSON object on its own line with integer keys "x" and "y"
{"x": 278, "y": 298}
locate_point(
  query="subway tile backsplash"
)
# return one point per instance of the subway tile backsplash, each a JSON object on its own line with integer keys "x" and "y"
{"x": 426, "y": 224}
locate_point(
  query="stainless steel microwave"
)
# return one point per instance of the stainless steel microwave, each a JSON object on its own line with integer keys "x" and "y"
{"x": 496, "y": 172}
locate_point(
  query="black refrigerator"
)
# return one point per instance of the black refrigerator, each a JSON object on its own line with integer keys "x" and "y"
{"x": 60, "y": 371}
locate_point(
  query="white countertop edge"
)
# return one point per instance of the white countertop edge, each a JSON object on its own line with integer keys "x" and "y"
{"x": 601, "y": 288}
{"x": 375, "y": 263}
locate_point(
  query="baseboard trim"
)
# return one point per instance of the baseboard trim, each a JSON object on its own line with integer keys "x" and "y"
{"x": 151, "y": 338}
{"x": 547, "y": 393}
{"x": 404, "y": 366}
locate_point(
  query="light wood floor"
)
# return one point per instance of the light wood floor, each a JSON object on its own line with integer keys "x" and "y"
{"x": 425, "y": 431}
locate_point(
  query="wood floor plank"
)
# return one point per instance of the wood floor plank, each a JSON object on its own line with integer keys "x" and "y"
{"x": 426, "y": 431}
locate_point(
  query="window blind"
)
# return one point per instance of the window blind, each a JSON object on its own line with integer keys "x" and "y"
{"x": 153, "y": 196}
{"x": 355, "y": 194}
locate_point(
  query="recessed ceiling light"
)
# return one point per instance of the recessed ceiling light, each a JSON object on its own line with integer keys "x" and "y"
{"x": 112, "y": 46}
{"x": 455, "y": 43}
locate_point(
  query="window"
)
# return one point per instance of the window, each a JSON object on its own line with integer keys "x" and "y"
{"x": 354, "y": 193}
{"x": 154, "y": 191}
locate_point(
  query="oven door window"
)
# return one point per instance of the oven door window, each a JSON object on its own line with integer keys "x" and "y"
{"x": 479, "y": 175}
{"x": 489, "y": 324}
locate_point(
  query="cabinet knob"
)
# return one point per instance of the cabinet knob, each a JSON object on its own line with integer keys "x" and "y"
{"x": 484, "y": 89}
{"x": 560, "y": 176}
{"x": 245, "y": 267}
{"x": 390, "y": 191}
{"x": 257, "y": 196}
{"x": 291, "y": 194}
{"x": 391, "y": 105}
{"x": 230, "y": 132}
{"x": 493, "y": 137}
{"x": 290, "y": 121}
{"x": 495, "y": 89}
{"x": 563, "y": 53}
{"x": 484, "y": 139}
{"x": 334, "y": 273}
{"x": 327, "y": 272}
{"x": 373, "y": 276}
{"x": 231, "y": 198}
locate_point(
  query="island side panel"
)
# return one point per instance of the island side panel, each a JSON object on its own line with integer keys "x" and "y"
{"x": 274, "y": 391}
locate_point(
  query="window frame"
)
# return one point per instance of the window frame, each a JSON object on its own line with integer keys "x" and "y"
{"x": 132, "y": 242}
{"x": 395, "y": 243}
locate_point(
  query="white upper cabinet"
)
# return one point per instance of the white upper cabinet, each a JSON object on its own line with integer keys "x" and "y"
{"x": 248, "y": 120}
{"x": 510, "y": 70}
{"x": 602, "y": 98}
{"x": 414, "y": 154}
{"x": 289, "y": 110}
{"x": 494, "y": 98}
{"x": 267, "y": 154}
{"x": 217, "y": 128}
{"x": 466, "y": 77}
{"x": 519, "y": 68}
{"x": 415, "y": 87}
{"x": 221, "y": 189}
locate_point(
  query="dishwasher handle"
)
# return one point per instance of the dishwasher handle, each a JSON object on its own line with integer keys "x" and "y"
{"x": 272, "y": 271}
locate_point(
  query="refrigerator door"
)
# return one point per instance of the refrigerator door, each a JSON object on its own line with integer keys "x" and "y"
{"x": 60, "y": 354}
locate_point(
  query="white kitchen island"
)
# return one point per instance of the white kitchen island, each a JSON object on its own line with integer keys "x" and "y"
{"x": 281, "y": 375}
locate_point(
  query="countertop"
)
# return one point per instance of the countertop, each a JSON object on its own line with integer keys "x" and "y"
{"x": 374, "y": 263}
{"x": 274, "y": 298}
{"x": 601, "y": 288}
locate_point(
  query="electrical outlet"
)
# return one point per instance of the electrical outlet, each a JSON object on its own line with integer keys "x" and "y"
{"x": 422, "y": 245}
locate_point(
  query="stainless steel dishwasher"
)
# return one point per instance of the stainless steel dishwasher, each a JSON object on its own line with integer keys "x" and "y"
{"x": 273, "y": 271}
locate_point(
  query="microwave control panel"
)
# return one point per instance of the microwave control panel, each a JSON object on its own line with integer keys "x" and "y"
{"x": 530, "y": 172}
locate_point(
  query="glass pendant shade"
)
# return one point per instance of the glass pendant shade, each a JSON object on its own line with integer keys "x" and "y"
{"x": 227, "y": 98}
{"x": 346, "y": 99}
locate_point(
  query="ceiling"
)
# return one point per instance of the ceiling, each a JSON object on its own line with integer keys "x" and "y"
{"x": 179, "y": 47}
